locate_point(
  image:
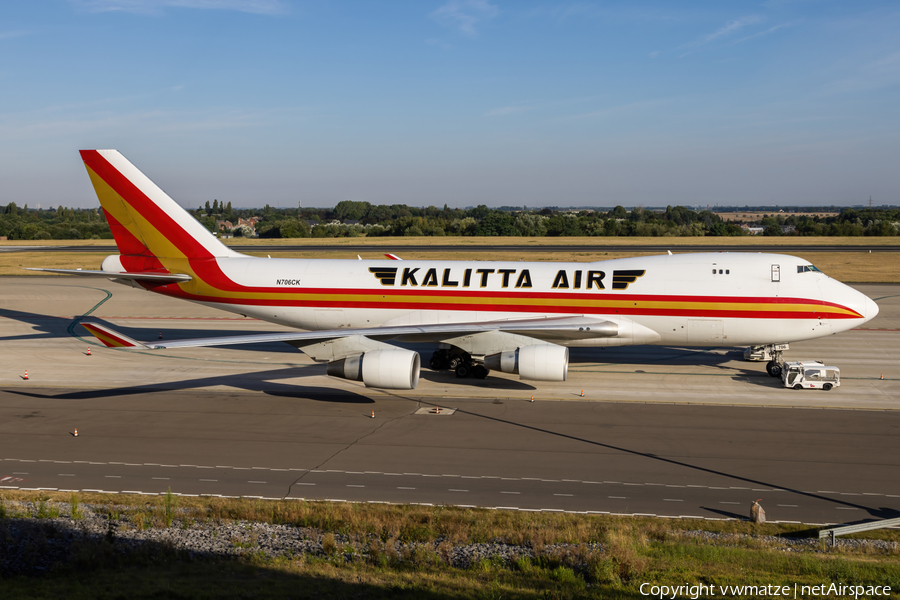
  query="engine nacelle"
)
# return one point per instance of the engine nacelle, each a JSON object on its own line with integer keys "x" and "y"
{"x": 540, "y": 362}
{"x": 389, "y": 369}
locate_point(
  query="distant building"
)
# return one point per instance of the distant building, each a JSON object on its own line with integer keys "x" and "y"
{"x": 247, "y": 226}
{"x": 224, "y": 225}
{"x": 752, "y": 230}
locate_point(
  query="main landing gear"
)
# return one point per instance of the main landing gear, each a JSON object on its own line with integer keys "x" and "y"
{"x": 451, "y": 359}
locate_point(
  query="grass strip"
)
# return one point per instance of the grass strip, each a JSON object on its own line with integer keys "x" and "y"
{"x": 381, "y": 551}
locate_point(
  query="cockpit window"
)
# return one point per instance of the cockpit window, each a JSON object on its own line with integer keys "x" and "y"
{"x": 807, "y": 269}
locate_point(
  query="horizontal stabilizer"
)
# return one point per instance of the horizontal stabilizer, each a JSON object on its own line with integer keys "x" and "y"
{"x": 110, "y": 338}
{"x": 157, "y": 277}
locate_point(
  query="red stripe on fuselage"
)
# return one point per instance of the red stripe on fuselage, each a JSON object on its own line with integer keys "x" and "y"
{"x": 587, "y": 308}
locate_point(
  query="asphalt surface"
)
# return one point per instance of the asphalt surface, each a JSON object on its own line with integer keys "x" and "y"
{"x": 399, "y": 248}
{"x": 660, "y": 430}
{"x": 810, "y": 466}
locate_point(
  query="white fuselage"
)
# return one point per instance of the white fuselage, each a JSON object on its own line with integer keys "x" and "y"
{"x": 702, "y": 299}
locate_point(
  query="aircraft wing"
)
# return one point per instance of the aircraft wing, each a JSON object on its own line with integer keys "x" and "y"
{"x": 157, "y": 277}
{"x": 549, "y": 328}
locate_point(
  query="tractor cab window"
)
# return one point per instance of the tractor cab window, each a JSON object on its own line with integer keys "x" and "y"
{"x": 793, "y": 374}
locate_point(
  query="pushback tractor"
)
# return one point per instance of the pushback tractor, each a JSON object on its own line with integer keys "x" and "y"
{"x": 814, "y": 375}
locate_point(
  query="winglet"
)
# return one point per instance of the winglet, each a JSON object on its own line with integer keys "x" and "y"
{"x": 110, "y": 338}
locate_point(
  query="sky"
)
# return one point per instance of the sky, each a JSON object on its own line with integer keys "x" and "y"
{"x": 458, "y": 102}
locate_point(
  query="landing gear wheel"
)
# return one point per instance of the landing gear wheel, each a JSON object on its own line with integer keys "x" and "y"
{"x": 827, "y": 387}
{"x": 480, "y": 371}
{"x": 773, "y": 369}
{"x": 455, "y": 362}
{"x": 798, "y": 386}
{"x": 463, "y": 371}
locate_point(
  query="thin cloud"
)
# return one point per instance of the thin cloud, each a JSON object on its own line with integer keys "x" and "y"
{"x": 439, "y": 43}
{"x": 140, "y": 122}
{"x": 508, "y": 110}
{"x": 764, "y": 33}
{"x": 729, "y": 28}
{"x": 464, "y": 15}
{"x": 614, "y": 111}
{"x": 261, "y": 7}
{"x": 878, "y": 74}
{"x": 8, "y": 35}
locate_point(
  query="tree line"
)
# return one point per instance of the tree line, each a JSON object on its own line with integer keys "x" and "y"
{"x": 59, "y": 223}
{"x": 353, "y": 219}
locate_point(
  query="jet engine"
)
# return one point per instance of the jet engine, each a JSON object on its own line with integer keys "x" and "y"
{"x": 389, "y": 369}
{"x": 540, "y": 362}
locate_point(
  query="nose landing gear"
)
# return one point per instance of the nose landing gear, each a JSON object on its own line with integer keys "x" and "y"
{"x": 775, "y": 366}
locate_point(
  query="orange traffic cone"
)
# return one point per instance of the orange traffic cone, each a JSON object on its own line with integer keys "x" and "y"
{"x": 160, "y": 335}
{"x": 882, "y": 375}
{"x": 26, "y": 374}
{"x": 373, "y": 414}
{"x": 582, "y": 393}
{"x": 532, "y": 398}
{"x": 89, "y": 351}
{"x": 75, "y": 433}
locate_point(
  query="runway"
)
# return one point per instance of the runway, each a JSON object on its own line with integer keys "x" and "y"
{"x": 600, "y": 246}
{"x": 663, "y": 431}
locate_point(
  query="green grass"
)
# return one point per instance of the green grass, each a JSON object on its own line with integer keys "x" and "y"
{"x": 634, "y": 551}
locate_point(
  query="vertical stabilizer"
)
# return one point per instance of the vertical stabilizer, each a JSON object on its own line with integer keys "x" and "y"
{"x": 146, "y": 223}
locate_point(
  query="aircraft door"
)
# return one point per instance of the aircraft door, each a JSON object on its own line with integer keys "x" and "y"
{"x": 705, "y": 331}
{"x": 776, "y": 273}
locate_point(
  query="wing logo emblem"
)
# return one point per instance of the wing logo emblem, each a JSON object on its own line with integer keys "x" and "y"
{"x": 622, "y": 279}
{"x": 387, "y": 275}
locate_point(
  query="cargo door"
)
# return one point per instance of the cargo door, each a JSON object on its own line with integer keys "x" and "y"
{"x": 705, "y": 331}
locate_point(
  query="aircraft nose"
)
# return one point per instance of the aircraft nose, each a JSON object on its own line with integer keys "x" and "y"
{"x": 871, "y": 309}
